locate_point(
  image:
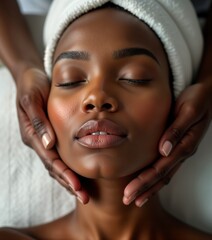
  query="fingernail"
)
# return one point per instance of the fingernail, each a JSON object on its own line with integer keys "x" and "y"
{"x": 167, "y": 147}
{"x": 79, "y": 198}
{"x": 46, "y": 140}
{"x": 128, "y": 200}
{"x": 142, "y": 203}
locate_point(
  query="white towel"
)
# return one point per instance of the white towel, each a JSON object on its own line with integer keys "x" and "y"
{"x": 28, "y": 195}
{"x": 174, "y": 21}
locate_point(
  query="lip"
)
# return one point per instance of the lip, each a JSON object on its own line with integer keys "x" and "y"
{"x": 100, "y": 134}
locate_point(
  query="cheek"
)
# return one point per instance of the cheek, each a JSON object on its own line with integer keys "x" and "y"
{"x": 60, "y": 112}
{"x": 155, "y": 113}
{"x": 151, "y": 119}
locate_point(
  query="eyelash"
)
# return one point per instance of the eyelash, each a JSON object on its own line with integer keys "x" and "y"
{"x": 70, "y": 84}
{"x": 136, "y": 81}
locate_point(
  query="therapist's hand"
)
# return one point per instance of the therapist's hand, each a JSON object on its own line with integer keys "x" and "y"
{"x": 36, "y": 131}
{"x": 192, "y": 117}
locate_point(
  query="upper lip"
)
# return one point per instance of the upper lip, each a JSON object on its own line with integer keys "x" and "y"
{"x": 103, "y": 125}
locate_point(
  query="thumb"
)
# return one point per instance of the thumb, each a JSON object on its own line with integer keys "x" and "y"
{"x": 183, "y": 122}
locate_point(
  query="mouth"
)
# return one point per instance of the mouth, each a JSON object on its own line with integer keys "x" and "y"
{"x": 100, "y": 134}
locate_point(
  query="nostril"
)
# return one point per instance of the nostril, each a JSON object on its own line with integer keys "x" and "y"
{"x": 106, "y": 106}
{"x": 89, "y": 107}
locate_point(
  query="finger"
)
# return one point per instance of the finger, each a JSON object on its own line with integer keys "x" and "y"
{"x": 57, "y": 169}
{"x": 162, "y": 167}
{"x": 66, "y": 174}
{"x": 185, "y": 119}
{"x": 140, "y": 184}
{"x": 53, "y": 163}
{"x": 60, "y": 181}
{"x": 140, "y": 200}
{"x": 81, "y": 195}
{"x": 34, "y": 110}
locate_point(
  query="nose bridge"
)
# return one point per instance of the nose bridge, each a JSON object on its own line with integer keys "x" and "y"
{"x": 99, "y": 96}
{"x": 100, "y": 89}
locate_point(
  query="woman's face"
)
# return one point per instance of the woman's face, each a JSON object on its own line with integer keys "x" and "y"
{"x": 110, "y": 96}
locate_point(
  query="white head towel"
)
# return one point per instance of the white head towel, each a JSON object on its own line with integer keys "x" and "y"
{"x": 173, "y": 21}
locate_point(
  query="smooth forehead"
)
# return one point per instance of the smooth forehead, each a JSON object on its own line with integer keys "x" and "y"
{"x": 109, "y": 28}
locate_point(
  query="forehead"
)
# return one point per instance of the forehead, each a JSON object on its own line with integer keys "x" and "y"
{"x": 107, "y": 29}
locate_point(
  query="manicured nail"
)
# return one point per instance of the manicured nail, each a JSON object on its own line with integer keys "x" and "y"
{"x": 167, "y": 147}
{"x": 142, "y": 203}
{"x": 46, "y": 140}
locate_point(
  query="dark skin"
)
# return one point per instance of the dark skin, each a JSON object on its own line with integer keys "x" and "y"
{"x": 106, "y": 88}
{"x": 192, "y": 112}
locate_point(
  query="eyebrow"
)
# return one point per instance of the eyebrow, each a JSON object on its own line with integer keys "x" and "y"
{"x": 76, "y": 55}
{"x": 118, "y": 54}
{"x": 129, "y": 52}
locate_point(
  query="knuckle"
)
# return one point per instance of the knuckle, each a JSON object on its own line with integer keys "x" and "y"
{"x": 162, "y": 173}
{"x": 48, "y": 165}
{"x": 26, "y": 100}
{"x": 144, "y": 188}
{"x": 27, "y": 138}
{"x": 62, "y": 174}
{"x": 38, "y": 124}
{"x": 187, "y": 149}
{"x": 176, "y": 133}
{"x": 145, "y": 184}
{"x": 190, "y": 110}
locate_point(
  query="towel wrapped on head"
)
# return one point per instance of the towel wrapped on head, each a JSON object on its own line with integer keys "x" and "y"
{"x": 173, "y": 21}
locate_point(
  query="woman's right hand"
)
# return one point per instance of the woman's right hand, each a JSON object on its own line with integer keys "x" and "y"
{"x": 32, "y": 94}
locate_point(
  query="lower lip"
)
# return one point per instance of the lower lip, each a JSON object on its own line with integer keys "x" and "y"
{"x": 100, "y": 141}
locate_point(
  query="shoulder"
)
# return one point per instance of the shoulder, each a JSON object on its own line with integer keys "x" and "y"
{"x": 57, "y": 229}
{"x": 11, "y": 234}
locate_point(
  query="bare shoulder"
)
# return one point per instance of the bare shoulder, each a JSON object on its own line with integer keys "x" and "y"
{"x": 58, "y": 229}
{"x": 11, "y": 234}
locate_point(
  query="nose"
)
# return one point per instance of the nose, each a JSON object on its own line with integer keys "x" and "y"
{"x": 98, "y": 100}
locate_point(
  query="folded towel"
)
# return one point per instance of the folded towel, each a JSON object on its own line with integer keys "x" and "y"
{"x": 28, "y": 195}
{"x": 173, "y": 21}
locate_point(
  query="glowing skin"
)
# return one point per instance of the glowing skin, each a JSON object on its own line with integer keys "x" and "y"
{"x": 109, "y": 103}
{"x": 119, "y": 75}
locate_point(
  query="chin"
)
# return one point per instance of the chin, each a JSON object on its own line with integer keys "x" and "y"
{"x": 104, "y": 166}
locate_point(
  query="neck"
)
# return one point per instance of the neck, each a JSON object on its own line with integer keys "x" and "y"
{"x": 105, "y": 215}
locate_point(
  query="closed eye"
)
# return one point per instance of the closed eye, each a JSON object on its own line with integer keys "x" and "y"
{"x": 136, "y": 81}
{"x": 70, "y": 84}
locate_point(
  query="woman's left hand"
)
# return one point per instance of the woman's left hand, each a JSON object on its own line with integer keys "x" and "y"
{"x": 192, "y": 118}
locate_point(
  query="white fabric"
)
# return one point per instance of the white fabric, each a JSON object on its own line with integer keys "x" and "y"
{"x": 28, "y": 195}
{"x": 34, "y": 6}
{"x": 173, "y": 21}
